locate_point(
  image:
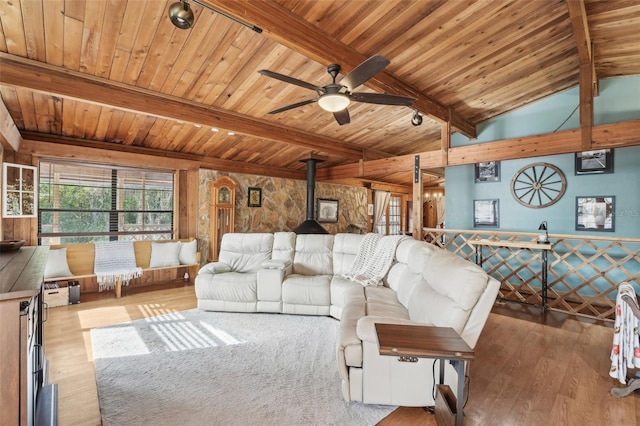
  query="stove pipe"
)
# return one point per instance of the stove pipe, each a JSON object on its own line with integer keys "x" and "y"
{"x": 310, "y": 226}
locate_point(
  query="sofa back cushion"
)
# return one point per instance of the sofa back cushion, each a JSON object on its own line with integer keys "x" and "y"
{"x": 284, "y": 246}
{"x": 313, "y": 255}
{"x": 245, "y": 252}
{"x": 449, "y": 291}
{"x": 345, "y": 249}
{"x": 403, "y": 280}
{"x": 406, "y": 272}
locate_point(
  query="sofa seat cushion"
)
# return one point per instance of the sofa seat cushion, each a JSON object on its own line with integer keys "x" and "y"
{"x": 381, "y": 294}
{"x": 388, "y": 310}
{"x": 344, "y": 291}
{"x": 231, "y": 286}
{"x": 307, "y": 290}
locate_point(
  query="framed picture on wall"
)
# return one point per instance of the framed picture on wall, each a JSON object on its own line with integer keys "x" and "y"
{"x": 486, "y": 213}
{"x": 255, "y": 197}
{"x": 327, "y": 210}
{"x": 599, "y": 161}
{"x": 488, "y": 171}
{"x": 595, "y": 213}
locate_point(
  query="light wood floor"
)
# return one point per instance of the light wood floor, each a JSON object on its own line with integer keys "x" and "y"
{"x": 528, "y": 370}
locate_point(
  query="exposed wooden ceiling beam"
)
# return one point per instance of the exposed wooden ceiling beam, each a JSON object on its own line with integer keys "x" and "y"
{"x": 588, "y": 78}
{"x": 10, "y": 137}
{"x": 290, "y": 30}
{"x": 33, "y": 75}
{"x": 578, "y": 15}
{"x": 615, "y": 135}
{"x": 45, "y": 145}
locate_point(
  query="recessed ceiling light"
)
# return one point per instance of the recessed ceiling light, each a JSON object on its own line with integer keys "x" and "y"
{"x": 197, "y": 125}
{"x": 213, "y": 129}
{"x": 231, "y": 133}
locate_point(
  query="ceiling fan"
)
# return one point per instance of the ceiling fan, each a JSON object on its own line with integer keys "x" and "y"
{"x": 336, "y": 97}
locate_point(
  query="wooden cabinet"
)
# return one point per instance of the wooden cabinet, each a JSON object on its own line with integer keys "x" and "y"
{"x": 21, "y": 352}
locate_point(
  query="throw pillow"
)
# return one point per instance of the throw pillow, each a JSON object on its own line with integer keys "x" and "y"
{"x": 57, "y": 265}
{"x": 188, "y": 252}
{"x": 164, "y": 254}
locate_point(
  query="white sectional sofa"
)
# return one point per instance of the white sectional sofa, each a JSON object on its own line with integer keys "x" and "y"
{"x": 304, "y": 274}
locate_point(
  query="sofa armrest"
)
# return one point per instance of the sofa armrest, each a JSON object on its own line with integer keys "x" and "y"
{"x": 270, "y": 278}
{"x": 214, "y": 268}
{"x": 366, "y": 329}
{"x": 276, "y": 264}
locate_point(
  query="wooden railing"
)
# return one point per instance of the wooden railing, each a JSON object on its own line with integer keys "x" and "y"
{"x": 583, "y": 275}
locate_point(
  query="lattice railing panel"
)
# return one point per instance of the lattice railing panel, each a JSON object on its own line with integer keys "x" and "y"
{"x": 584, "y": 272}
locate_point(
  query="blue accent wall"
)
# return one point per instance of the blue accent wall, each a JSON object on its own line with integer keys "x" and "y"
{"x": 619, "y": 101}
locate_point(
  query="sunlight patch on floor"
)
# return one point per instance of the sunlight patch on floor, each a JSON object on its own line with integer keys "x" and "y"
{"x": 126, "y": 342}
{"x": 183, "y": 336}
{"x": 100, "y": 317}
{"x": 156, "y": 309}
{"x": 86, "y": 337}
{"x": 222, "y": 335}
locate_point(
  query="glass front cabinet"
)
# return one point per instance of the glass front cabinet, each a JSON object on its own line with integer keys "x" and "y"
{"x": 19, "y": 191}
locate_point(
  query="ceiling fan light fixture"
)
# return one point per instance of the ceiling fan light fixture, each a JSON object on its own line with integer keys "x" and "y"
{"x": 334, "y": 102}
{"x": 181, "y": 15}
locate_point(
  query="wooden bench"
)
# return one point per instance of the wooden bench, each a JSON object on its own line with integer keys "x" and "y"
{"x": 80, "y": 258}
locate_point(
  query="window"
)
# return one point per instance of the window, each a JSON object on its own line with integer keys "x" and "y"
{"x": 390, "y": 223}
{"x": 81, "y": 202}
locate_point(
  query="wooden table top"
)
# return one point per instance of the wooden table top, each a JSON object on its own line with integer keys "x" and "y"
{"x": 21, "y": 272}
{"x": 422, "y": 341}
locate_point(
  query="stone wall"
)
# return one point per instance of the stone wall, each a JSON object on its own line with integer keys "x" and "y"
{"x": 283, "y": 205}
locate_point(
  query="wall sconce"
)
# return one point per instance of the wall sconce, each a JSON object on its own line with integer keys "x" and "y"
{"x": 416, "y": 120}
{"x": 543, "y": 238}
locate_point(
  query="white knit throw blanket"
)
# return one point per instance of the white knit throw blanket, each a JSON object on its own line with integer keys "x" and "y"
{"x": 115, "y": 260}
{"x": 625, "y": 352}
{"x": 374, "y": 258}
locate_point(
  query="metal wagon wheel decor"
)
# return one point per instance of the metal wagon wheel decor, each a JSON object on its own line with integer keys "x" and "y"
{"x": 538, "y": 185}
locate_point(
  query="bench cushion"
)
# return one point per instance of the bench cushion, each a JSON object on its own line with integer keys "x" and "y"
{"x": 57, "y": 265}
{"x": 164, "y": 254}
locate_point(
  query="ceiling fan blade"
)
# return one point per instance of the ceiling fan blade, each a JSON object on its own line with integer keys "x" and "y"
{"x": 289, "y": 80}
{"x": 383, "y": 99}
{"x": 292, "y": 106}
{"x": 364, "y": 71}
{"x": 342, "y": 117}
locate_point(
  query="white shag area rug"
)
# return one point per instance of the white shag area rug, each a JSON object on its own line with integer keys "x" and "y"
{"x": 217, "y": 368}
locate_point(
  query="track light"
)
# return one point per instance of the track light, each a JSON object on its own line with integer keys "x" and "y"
{"x": 416, "y": 120}
{"x": 181, "y": 15}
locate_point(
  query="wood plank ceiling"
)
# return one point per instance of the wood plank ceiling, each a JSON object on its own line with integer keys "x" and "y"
{"x": 118, "y": 74}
